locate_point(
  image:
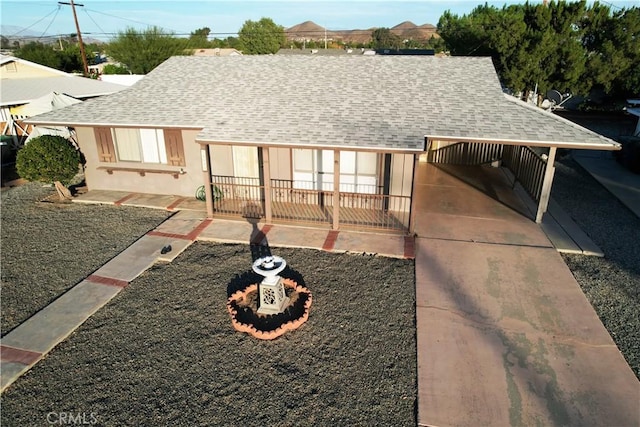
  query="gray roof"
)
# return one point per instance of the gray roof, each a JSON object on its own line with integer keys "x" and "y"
{"x": 22, "y": 91}
{"x": 377, "y": 102}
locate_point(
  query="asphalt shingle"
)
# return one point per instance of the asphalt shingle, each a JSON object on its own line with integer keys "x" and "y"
{"x": 388, "y": 102}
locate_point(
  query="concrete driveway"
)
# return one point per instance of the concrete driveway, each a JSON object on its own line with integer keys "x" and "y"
{"x": 505, "y": 334}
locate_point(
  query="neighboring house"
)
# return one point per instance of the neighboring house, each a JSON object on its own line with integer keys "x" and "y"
{"x": 217, "y": 52}
{"x": 331, "y": 141}
{"x": 23, "y": 81}
{"x": 50, "y": 102}
{"x": 121, "y": 79}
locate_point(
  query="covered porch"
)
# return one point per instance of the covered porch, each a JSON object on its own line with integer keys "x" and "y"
{"x": 270, "y": 184}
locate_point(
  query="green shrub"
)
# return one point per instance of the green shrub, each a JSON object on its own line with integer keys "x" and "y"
{"x": 48, "y": 158}
{"x": 115, "y": 69}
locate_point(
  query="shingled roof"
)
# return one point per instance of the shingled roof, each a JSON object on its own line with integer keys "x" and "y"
{"x": 376, "y": 102}
{"x": 22, "y": 91}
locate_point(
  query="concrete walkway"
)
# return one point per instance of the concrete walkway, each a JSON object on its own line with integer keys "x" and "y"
{"x": 622, "y": 183}
{"x": 505, "y": 334}
{"x": 25, "y": 345}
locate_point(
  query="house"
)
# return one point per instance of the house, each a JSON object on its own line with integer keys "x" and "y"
{"x": 217, "y": 52}
{"x": 23, "y": 81}
{"x": 331, "y": 141}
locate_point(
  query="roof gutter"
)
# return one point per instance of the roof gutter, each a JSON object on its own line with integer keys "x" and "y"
{"x": 35, "y": 121}
{"x": 612, "y": 146}
{"x": 313, "y": 146}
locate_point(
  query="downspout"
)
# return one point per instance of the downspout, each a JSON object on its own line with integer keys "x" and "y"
{"x": 206, "y": 171}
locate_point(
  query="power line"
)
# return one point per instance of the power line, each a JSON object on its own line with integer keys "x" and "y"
{"x": 37, "y": 22}
{"x": 92, "y": 20}
{"x": 130, "y": 20}
{"x": 611, "y": 4}
{"x": 52, "y": 19}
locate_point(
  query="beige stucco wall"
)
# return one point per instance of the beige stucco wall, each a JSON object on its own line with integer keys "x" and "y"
{"x": 401, "y": 185}
{"x": 155, "y": 183}
{"x": 17, "y": 70}
{"x": 221, "y": 160}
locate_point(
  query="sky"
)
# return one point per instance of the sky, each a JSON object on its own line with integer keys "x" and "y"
{"x": 102, "y": 19}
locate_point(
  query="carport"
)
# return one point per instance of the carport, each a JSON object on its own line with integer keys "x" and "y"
{"x": 523, "y": 139}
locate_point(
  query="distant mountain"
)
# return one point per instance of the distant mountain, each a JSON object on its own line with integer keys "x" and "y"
{"x": 309, "y": 30}
{"x": 409, "y": 30}
{"x": 11, "y": 30}
{"x": 405, "y": 26}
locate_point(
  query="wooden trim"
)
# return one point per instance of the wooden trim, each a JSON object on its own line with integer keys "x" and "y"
{"x": 548, "y": 144}
{"x": 111, "y": 169}
{"x": 104, "y": 143}
{"x": 313, "y": 146}
{"x": 174, "y": 146}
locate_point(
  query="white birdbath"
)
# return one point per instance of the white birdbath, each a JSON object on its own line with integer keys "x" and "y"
{"x": 272, "y": 298}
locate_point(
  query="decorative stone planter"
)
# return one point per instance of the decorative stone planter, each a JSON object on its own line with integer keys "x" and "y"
{"x": 242, "y": 307}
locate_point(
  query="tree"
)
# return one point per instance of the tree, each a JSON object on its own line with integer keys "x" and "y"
{"x": 142, "y": 51}
{"x": 261, "y": 37}
{"x": 564, "y": 46}
{"x": 114, "y": 69}
{"x": 383, "y": 38}
{"x": 50, "y": 159}
{"x": 198, "y": 39}
{"x": 612, "y": 43}
{"x": 68, "y": 60}
{"x": 40, "y": 54}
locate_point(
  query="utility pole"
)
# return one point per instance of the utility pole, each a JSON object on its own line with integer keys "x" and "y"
{"x": 82, "y": 52}
{"x": 325, "y": 38}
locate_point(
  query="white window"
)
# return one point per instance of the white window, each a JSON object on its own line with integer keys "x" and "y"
{"x": 313, "y": 169}
{"x": 152, "y": 145}
{"x": 140, "y": 145}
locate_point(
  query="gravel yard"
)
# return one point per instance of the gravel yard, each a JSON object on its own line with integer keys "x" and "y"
{"x": 49, "y": 247}
{"x": 163, "y": 352}
{"x": 611, "y": 284}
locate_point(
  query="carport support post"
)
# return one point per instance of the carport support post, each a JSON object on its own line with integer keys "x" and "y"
{"x": 206, "y": 171}
{"x": 412, "y": 202}
{"x": 336, "y": 189}
{"x": 266, "y": 174}
{"x": 545, "y": 194}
